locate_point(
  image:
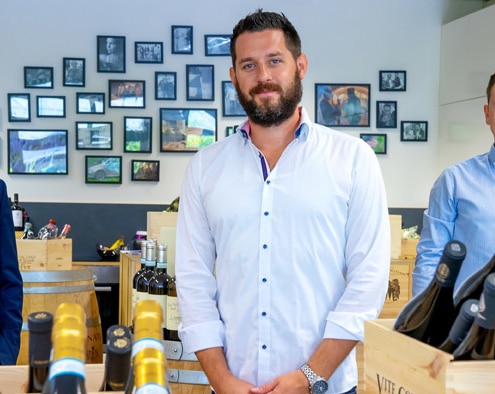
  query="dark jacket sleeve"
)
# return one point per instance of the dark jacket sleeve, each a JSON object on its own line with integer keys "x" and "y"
{"x": 10, "y": 285}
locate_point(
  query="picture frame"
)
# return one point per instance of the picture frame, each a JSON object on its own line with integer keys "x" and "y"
{"x": 110, "y": 54}
{"x": 103, "y": 169}
{"x": 74, "y": 71}
{"x": 392, "y": 80}
{"x": 145, "y": 170}
{"x": 19, "y": 107}
{"x": 90, "y": 103}
{"x": 50, "y": 106}
{"x": 230, "y": 101}
{"x": 229, "y": 130}
{"x": 126, "y": 93}
{"x": 148, "y": 52}
{"x": 94, "y": 135}
{"x": 343, "y": 104}
{"x": 386, "y": 114}
{"x": 200, "y": 80}
{"x": 182, "y": 40}
{"x": 187, "y": 129}
{"x": 137, "y": 134}
{"x": 38, "y": 77}
{"x": 217, "y": 44}
{"x": 414, "y": 130}
{"x": 165, "y": 85}
{"x": 37, "y": 152}
{"x": 377, "y": 142}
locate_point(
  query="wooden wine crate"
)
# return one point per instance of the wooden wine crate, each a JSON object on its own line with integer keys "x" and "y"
{"x": 399, "y": 290}
{"x": 396, "y": 363}
{"x": 162, "y": 225}
{"x": 44, "y": 255}
{"x": 408, "y": 249}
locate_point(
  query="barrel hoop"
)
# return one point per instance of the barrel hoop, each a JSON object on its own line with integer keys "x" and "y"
{"x": 57, "y": 276}
{"x": 58, "y": 289}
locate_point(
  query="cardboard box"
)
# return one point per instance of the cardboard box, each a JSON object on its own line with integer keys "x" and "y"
{"x": 396, "y": 363}
{"x": 44, "y": 255}
{"x": 408, "y": 248}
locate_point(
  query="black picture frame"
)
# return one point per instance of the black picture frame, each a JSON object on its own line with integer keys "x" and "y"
{"x": 94, "y": 135}
{"x": 182, "y": 40}
{"x": 90, "y": 103}
{"x": 377, "y": 142}
{"x": 230, "y": 101}
{"x": 200, "y": 82}
{"x": 334, "y": 107}
{"x": 50, "y": 106}
{"x": 148, "y": 52}
{"x": 165, "y": 85}
{"x": 217, "y": 44}
{"x": 414, "y": 130}
{"x": 137, "y": 134}
{"x": 38, "y": 77}
{"x": 19, "y": 107}
{"x": 74, "y": 71}
{"x": 126, "y": 93}
{"x": 392, "y": 80}
{"x": 229, "y": 130}
{"x": 145, "y": 170}
{"x": 37, "y": 152}
{"x": 386, "y": 114}
{"x": 110, "y": 54}
{"x": 187, "y": 129}
{"x": 103, "y": 169}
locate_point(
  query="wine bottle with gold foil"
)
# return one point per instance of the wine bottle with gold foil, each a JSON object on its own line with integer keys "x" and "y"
{"x": 173, "y": 315}
{"x": 40, "y": 344}
{"x": 118, "y": 358}
{"x": 150, "y": 372}
{"x": 67, "y": 369}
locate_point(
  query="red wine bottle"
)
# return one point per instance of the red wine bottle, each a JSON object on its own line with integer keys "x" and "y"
{"x": 430, "y": 314}
{"x": 40, "y": 344}
{"x": 118, "y": 358}
{"x": 461, "y": 326}
{"x": 479, "y": 343}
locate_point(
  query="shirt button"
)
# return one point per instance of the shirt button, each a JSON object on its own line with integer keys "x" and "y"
{"x": 268, "y": 182}
{"x": 266, "y": 213}
{"x": 264, "y": 280}
{"x": 264, "y": 347}
{"x": 263, "y": 313}
{"x": 265, "y": 246}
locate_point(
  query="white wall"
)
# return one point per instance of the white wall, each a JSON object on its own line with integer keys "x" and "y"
{"x": 346, "y": 42}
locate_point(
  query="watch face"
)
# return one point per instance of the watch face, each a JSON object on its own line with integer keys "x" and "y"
{"x": 320, "y": 386}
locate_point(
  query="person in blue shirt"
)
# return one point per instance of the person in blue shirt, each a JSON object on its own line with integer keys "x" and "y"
{"x": 283, "y": 235}
{"x": 460, "y": 207}
{"x": 10, "y": 285}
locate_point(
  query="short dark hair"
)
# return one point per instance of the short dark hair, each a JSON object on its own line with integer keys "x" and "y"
{"x": 491, "y": 82}
{"x": 262, "y": 20}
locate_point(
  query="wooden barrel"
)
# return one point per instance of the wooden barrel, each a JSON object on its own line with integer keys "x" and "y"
{"x": 45, "y": 290}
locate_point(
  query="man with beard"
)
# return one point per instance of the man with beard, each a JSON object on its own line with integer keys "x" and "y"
{"x": 283, "y": 236}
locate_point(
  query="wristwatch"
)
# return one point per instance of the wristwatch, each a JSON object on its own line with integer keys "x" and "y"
{"x": 316, "y": 383}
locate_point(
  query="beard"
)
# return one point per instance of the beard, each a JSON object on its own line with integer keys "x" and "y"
{"x": 270, "y": 113}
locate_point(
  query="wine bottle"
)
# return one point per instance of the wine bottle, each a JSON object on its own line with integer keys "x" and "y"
{"x": 48, "y": 231}
{"x": 429, "y": 315}
{"x": 150, "y": 372}
{"x": 461, "y": 326}
{"x": 142, "y": 285}
{"x": 64, "y": 232}
{"x": 17, "y": 214}
{"x": 158, "y": 285}
{"x": 118, "y": 358}
{"x": 28, "y": 231}
{"x": 40, "y": 344}
{"x": 479, "y": 343}
{"x": 173, "y": 315}
{"x": 67, "y": 369}
{"x": 137, "y": 275}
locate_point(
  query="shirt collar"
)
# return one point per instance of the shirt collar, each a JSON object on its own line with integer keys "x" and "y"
{"x": 491, "y": 155}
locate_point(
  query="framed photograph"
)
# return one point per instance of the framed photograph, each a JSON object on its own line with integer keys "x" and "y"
{"x": 50, "y": 106}
{"x": 90, "y": 103}
{"x": 386, "y": 114}
{"x": 200, "y": 82}
{"x": 38, "y": 152}
{"x": 94, "y": 135}
{"x": 230, "y": 102}
{"x": 137, "y": 134}
{"x": 145, "y": 170}
{"x": 217, "y": 44}
{"x": 165, "y": 85}
{"x": 103, "y": 169}
{"x": 19, "y": 107}
{"x": 126, "y": 94}
{"x": 378, "y": 142}
{"x": 187, "y": 129}
{"x": 110, "y": 54}
{"x": 38, "y": 77}
{"x": 148, "y": 52}
{"x": 413, "y": 130}
{"x": 74, "y": 71}
{"x": 342, "y": 104}
{"x": 392, "y": 81}
{"x": 229, "y": 130}
{"x": 182, "y": 40}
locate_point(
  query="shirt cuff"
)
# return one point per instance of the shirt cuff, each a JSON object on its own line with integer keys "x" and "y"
{"x": 202, "y": 336}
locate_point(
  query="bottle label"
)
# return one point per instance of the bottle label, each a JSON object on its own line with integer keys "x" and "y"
{"x": 147, "y": 343}
{"x": 152, "y": 388}
{"x": 162, "y": 300}
{"x": 67, "y": 366}
{"x": 173, "y": 315}
{"x": 17, "y": 216}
